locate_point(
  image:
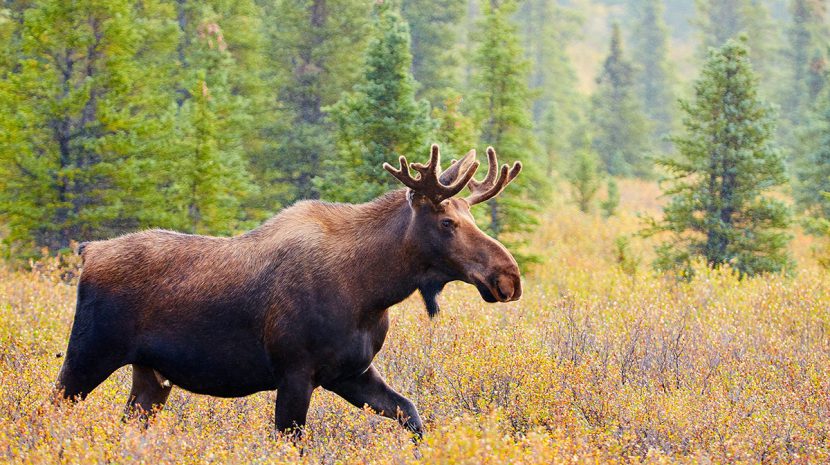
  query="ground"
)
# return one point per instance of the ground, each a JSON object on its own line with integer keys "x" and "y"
{"x": 600, "y": 362}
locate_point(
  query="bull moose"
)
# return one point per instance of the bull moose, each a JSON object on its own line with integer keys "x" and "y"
{"x": 298, "y": 303}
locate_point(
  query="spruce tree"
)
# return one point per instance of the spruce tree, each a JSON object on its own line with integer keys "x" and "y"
{"x": 620, "y": 127}
{"x": 813, "y": 187}
{"x": 547, "y": 29}
{"x": 654, "y": 76}
{"x": 807, "y": 57}
{"x": 311, "y": 62}
{"x": 501, "y": 104}
{"x": 720, "y": 180}
{"x": 380, "y": 119}
{"x": 79, "y": 122}
{"x": 206, "y": 156}
{"x": 584, "y": 178}
{"x": 434, "y": 28}
{"x": 722, "y": 20}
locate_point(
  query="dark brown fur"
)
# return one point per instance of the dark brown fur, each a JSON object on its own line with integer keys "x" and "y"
{"x": 297, "y": 303}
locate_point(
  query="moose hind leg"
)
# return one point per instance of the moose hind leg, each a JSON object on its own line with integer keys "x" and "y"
{"x": 150, "y": 391}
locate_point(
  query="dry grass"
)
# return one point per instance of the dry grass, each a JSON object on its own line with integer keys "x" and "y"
{"x": 594, "y": 365}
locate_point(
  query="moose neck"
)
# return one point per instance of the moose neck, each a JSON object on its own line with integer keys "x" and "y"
{"x": 387, "y": 264}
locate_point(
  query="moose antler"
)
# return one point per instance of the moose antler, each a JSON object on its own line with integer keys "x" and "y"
{"x": 429, "y": 181}
{"x": 492, "y": 186}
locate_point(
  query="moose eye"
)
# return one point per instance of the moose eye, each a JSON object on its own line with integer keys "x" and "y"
{"x": 447, "y": 223}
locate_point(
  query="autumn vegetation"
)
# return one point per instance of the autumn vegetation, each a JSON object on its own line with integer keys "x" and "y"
{"x": 603, "y": 360}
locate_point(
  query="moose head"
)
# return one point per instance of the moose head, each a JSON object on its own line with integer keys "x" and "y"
{"x": 445, "y": 232}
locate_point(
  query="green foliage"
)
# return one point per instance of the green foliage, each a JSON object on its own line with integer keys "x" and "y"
{"x": 434, "y": 27}
{"x": 311, "y": 62}
{"x": 584, "y": 178}
{"x": 79, "y": 122}
{"x": 620, "y": 127}
{"x": 558, "y": 113}
{"x": 456, "y": 131}
{"x": 807, "y": 74}
{"x": 722, "y": 20}
{"x": 500, "y": 107}
{"x": 612, "y": 199}
{"x": 811, "y": 192}
{"x": 379, "y": 120}
{"x": 654, "y": 76}
{"x": 720, "y": 207}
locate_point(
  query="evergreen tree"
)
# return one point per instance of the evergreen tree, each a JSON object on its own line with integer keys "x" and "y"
{"x": 311, "y": 62}
{"x": 807, "y": 56}
{"x": 719, "y": 206}
{"x": 380, "y": 119}
{"x": 548, "y": 29}
{"x": 620, "y": 127}
{"x": 722, "y": 20}
{"x": 501, "y": 109}
{"x": 456, "y": 132}
{"x": 434, "y": 27}
{"x": 813, "y": 188}
{"x": 206, "y": 156}
{"x": 584, "y": 179}
{"x": 654, "y": 77}
{"x": 79, "y": 122}
{"x": 612, "y": 199}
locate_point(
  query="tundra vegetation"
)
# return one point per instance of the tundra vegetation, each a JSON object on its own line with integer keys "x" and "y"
{"x": 210, "y": 117}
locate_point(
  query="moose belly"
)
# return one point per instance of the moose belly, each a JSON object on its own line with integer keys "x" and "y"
{"x": 222, "y": 368}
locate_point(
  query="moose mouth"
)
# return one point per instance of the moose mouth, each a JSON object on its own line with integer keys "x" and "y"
{"x": 490, "y": 290}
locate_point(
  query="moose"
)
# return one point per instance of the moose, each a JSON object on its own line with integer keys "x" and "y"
{"x": 297, "y": 303}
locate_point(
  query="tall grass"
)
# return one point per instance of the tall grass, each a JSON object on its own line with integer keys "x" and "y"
{"x": 600, "y": 362}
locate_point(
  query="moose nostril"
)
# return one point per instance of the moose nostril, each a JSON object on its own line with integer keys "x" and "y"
{"x": 505, "y": 288}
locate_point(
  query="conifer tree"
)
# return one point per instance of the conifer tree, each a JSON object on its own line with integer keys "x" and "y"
{"x": 548, "y": 28}
{"x": 807, "y": 56}
{"x": 311, "y": 62}
{"x": 78, "y": 123}
{"x": 380, "y": 119}
{"x": 434, "y": 28}
{"x": 501, "y": 109}
{"x": 583, "y": 176}
{"x": 206, "y": 156}
{"x": 720, "y": 208}
{"x": 620, "y": 127}
{"x": 654, "y": 76}
{"x": 812, "y": 191}
{"x": 722, "y": 20}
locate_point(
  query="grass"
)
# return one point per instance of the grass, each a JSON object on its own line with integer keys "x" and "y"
{"x": 598, "y": 363}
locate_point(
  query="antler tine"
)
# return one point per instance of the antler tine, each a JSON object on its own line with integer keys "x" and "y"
{"x": 402, "y": 174}
{"x": 428, "y": 182}
{"x": 492, "y": 186}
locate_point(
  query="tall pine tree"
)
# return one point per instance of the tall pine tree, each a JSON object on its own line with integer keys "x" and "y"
{"x": 654, "y": 76}
{"x": 809, "y": 38}
{"x": 501, "y": 103}
{"x": 720, "y": 208}
{"x": 212, "y": 119}
{"x": 78, "y": 123}
{"x": 312, "y": 45}
{"x": 620, "y": 127}
{"x": 548, "y": 29}
{"x": 380, "y": 119}
{"x": 434, "y": 27}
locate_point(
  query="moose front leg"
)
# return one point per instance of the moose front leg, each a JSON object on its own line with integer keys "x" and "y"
{"x": 293, "y": 399}
{"x": 370, "y": 389}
